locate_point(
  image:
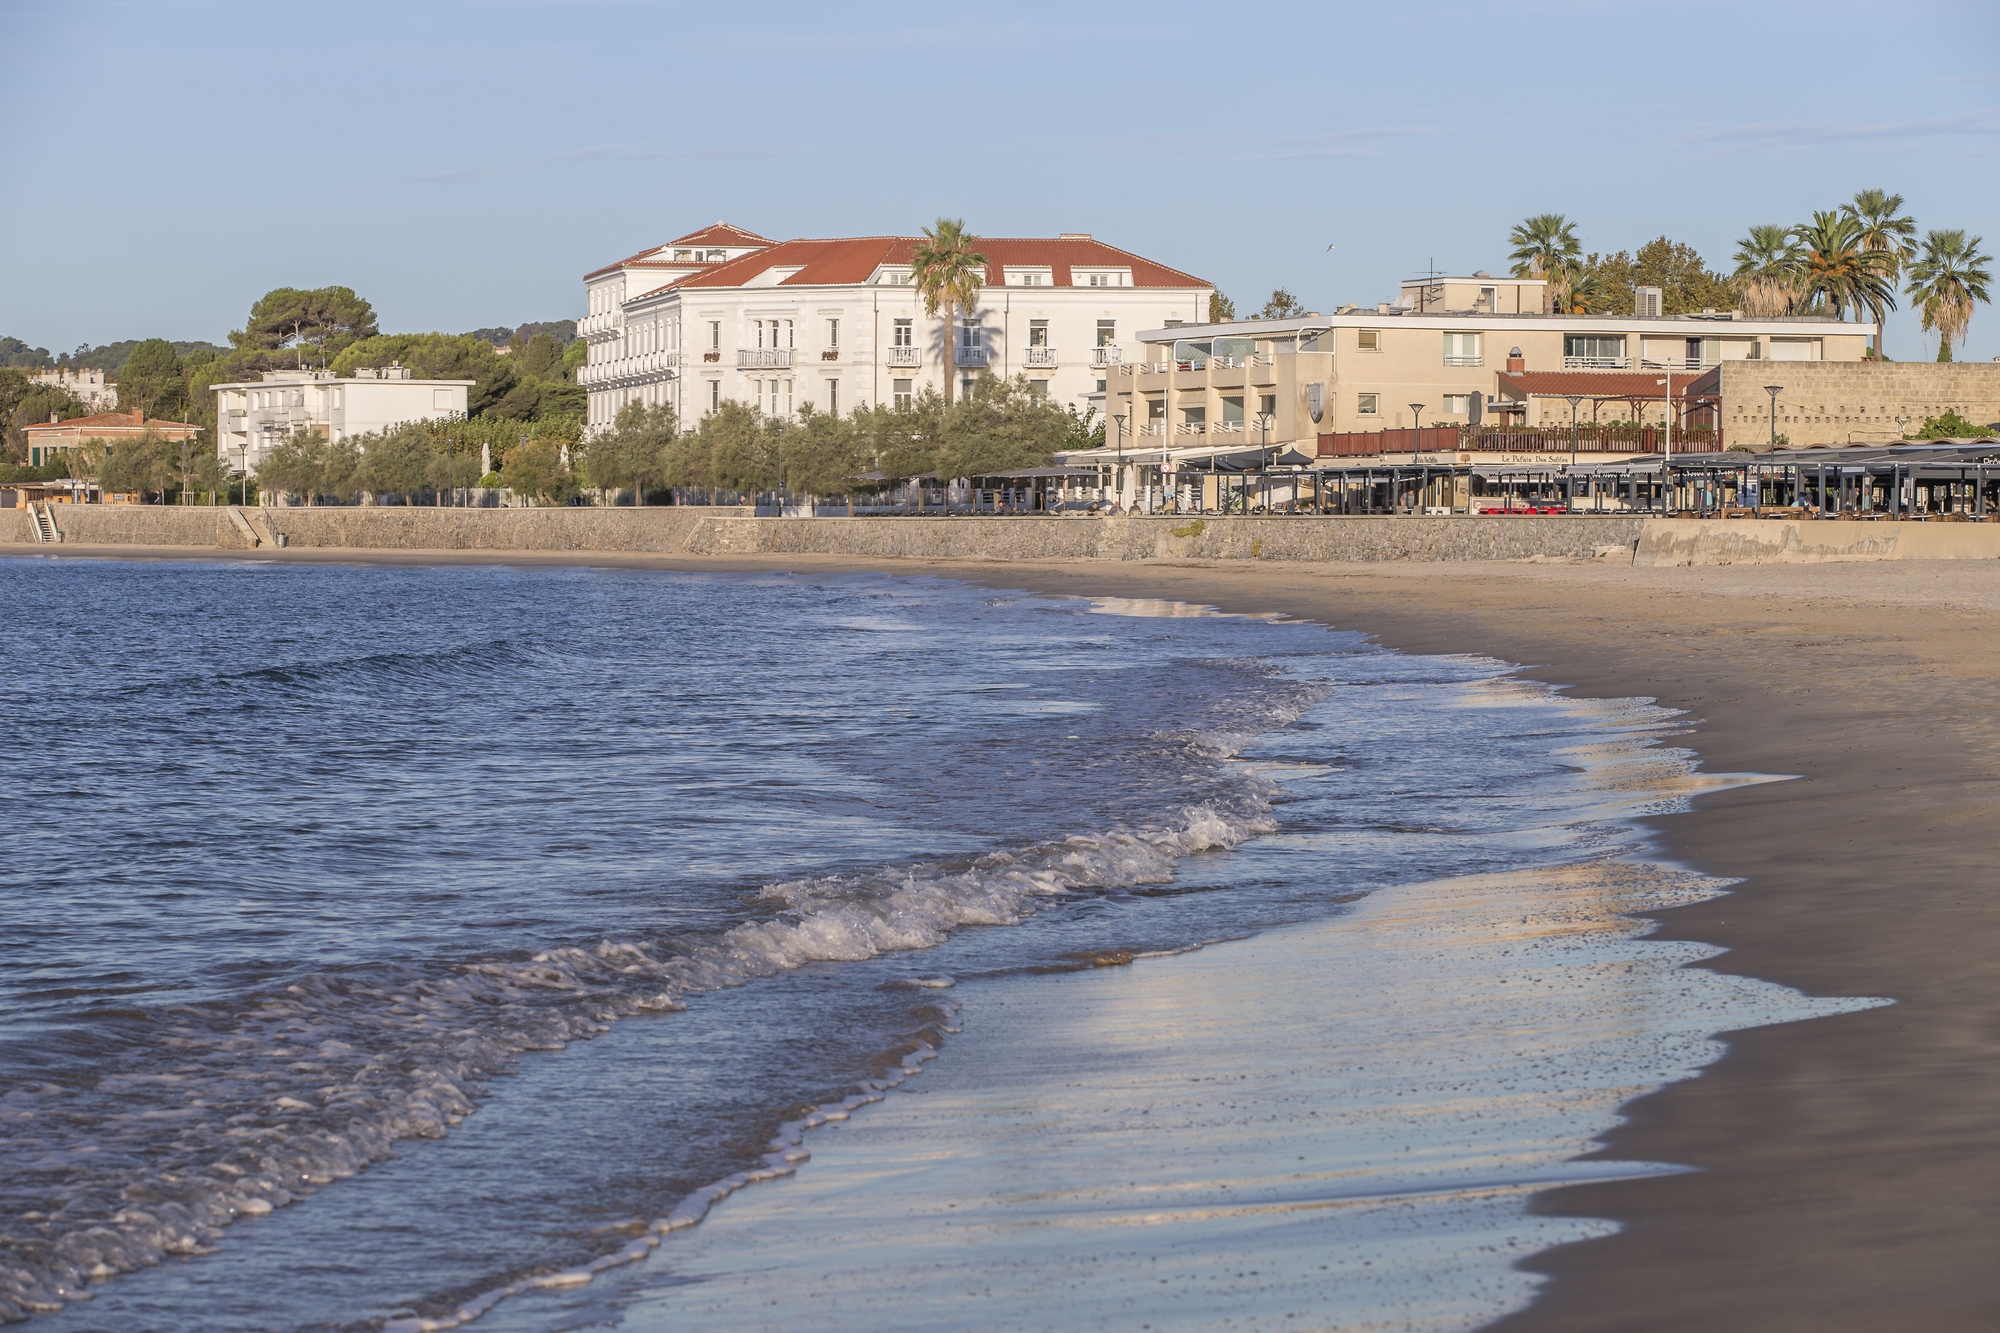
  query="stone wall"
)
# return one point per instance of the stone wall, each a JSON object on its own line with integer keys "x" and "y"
{"x": 1831, "y": 402}
{"x": 690, "y": 531}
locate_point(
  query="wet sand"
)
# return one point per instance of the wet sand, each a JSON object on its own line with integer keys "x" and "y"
{"x": 1847, "y": 1167}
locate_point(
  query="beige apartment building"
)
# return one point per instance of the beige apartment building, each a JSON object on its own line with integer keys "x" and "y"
{"x": 1450, "y": 350}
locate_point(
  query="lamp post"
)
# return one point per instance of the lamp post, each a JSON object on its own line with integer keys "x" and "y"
{"x": 1774, "y": 390}
{"x": 1575, "y": 400}
{"x": 1118, "y": 472}
{"x": 1416, "y": 443}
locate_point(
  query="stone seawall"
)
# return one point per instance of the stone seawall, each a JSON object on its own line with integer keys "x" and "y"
{"x": 1690, "y": 541}
{"x": 689, "y": 531}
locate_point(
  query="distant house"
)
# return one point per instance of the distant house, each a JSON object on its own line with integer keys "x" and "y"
{"x": 49, "y": 438}
{"x": 253, "y": 417}
{"x": 90, "y": 387}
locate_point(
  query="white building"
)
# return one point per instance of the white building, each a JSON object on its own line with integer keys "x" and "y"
{"x": 89, "y": 386}
{"x": 254, "y": 416}
{"x": 724, "y": 314}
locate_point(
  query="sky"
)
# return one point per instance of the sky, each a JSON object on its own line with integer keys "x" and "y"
{"x": 462, "y": 165}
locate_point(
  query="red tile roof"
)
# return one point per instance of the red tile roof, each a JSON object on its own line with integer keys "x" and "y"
{"x": 823, "y": 263}
{"x": 106, "y": 421}
{"x": 723, "y": 234}
{"x": 653, "y": 256}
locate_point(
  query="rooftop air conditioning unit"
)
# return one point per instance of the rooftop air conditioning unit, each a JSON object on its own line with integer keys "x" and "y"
{"x": 1646, "y": 302}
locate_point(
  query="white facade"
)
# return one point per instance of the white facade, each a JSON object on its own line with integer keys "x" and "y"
{"x": 89, "y": 386}
{"x": 725, "y": 315}
{"x": 251, "y": 418}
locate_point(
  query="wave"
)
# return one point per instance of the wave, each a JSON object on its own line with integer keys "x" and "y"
{"x": 220, "y": 1111}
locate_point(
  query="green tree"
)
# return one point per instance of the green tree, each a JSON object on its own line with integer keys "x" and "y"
{"x": 25, "y": 403}
{"x": 1282, "y": 305}
{"x": 535, "y": 467}
{"x": 1945, "y": 281}
{"x": 142, "y": 463}
{"x": 1837, "y": 273}
{"x": 1545, "y": 247}
{"x": 1220, "y": 308}
{"x": 439, "y": 356}
{"x": 1767, "y": 270}
{"x": 323, "y": 321}
{"x": 949, "y": 273}
{"x": 151, "y": 380}
{"x": 1948, "y": 426}
{"x": 399, "y": 460}
{"x": 1885, "y": 229}
{"x": 635, "y": 452}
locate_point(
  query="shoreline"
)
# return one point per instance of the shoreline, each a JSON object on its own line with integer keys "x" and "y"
{"x": 1845, "y": 1166}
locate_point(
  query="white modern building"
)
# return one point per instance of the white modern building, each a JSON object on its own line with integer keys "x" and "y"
{"x": 252, "y": 417}
{"x": 723, "y": 314}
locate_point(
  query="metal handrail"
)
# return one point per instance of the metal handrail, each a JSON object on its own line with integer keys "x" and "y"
{"x": 1039, "y": 356}
{"x": 763, "y": 356}
{"x": 905, "y": 356}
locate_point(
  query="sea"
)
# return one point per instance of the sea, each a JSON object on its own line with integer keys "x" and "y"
{"x": 312, "y": 869}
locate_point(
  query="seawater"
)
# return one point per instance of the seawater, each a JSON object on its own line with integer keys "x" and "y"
{"x": 306, "y": 865}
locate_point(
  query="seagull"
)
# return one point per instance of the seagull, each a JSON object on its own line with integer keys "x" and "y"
{"x": 1329, "y": 247}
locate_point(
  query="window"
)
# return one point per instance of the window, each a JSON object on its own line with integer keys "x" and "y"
{"x": 716, "y": 256}
{"x": 788, "y": 397}
{"x": 1100, "y": 386}
{"x": 1461, "y": 349}
{"x": 1040, "y": 388}
{"x": 1368, "y": 340}
{"x": 1268, "y": 404}
{"x": 833, "y": 335}
{"x": 968, "y": 333}
{"x": 901, "y": 396}
{"x": 1107, "y": 332}
{"x": 833, "y": 397}
{"x": 714, "y": 394}
{"x": 1232, "y": 410}
{"x": 895, "y": 278}
{"x": 903, "y": 334}
{"x": 715, "y": 335}
{"x": 1457, "y": 404}
{"x": 1594, "y": 350}
{"x": 683, "y": 254}
{"x": 965, "y": 383}
{"x": 757, "y": 393}
{"x": 1038, "y": 333}
{"x": 1487, "y": 299}
{"x": 440, "y": 400}
{"x": 1365, "y": 404}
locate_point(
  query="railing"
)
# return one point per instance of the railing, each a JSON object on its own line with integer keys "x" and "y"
{"x": 905, "y": 356}
{"x": 1544, "y": 440}
{"x": 1680, "y": 363}
{"x": 763, "y": 356}
{"x": 1226, "y": 362}
{"x": 1227, "y": 428}
{"x": 971, "y": 356}
{"x": 1155, "y": 367}
{"x": 1106, "y": 356}
{"x": 1263, "y": 359}
{"x": 1039, "y": 356}
{"x": 1597, "y": 362}
{"x": 1465, "y": 361}
{"x": 1191, "y": 428}
{"x": 1153, "y": 428}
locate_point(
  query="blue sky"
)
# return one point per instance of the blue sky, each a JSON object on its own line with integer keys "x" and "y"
{"x": 463, "y": 164}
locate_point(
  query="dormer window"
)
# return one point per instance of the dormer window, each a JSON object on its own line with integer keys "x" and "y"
{"x": 716, "y": 256}
{"x": 1113, "y": 277}
{"x": 1029, "y": 277}
{"x": 683, "y": 255}
{"x": 895, "y": 277}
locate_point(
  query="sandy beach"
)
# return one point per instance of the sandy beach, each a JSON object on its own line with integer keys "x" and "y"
{"x": 1846, "y": 1166}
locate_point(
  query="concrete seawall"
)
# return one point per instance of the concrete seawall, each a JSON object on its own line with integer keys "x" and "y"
{"x": 687, "y": 531}
{"x": 724, "y": 532}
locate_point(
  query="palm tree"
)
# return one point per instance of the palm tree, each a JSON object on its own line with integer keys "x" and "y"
{"x": 1767, "y": 269}
{"x": 1545, "y": 247}
{"x": 1884, "y": 228}
{"x": 1837, "y": 271}
{"x": 949, "y": 273}
{"x": 1944, "y": 283}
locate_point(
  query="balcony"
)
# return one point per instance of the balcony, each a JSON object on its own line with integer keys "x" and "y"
{"x": 1465, "y": 361}
{"x": 1191, "y": 428}
{"x": 1044, "y": 357}
{"x": 974, "y": 357}
{"x": 1597, "y": 362}
{"x": 906, "y": 356}
{"x": 763, "y": 356}
{"x": 1101, "y": 357}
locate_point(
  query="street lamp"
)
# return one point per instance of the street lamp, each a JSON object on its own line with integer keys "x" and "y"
{"x": 1118, "y": 472}
{"x": 1774, "y": 390}
{"x": 1574, "y": 400}
{"x": 1416, "y": 442}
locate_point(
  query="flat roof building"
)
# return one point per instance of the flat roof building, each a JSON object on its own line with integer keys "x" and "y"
{"x": 254, "y": 416}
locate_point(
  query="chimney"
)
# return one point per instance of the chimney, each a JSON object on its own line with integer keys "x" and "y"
{"x": 1516, "y": 363}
